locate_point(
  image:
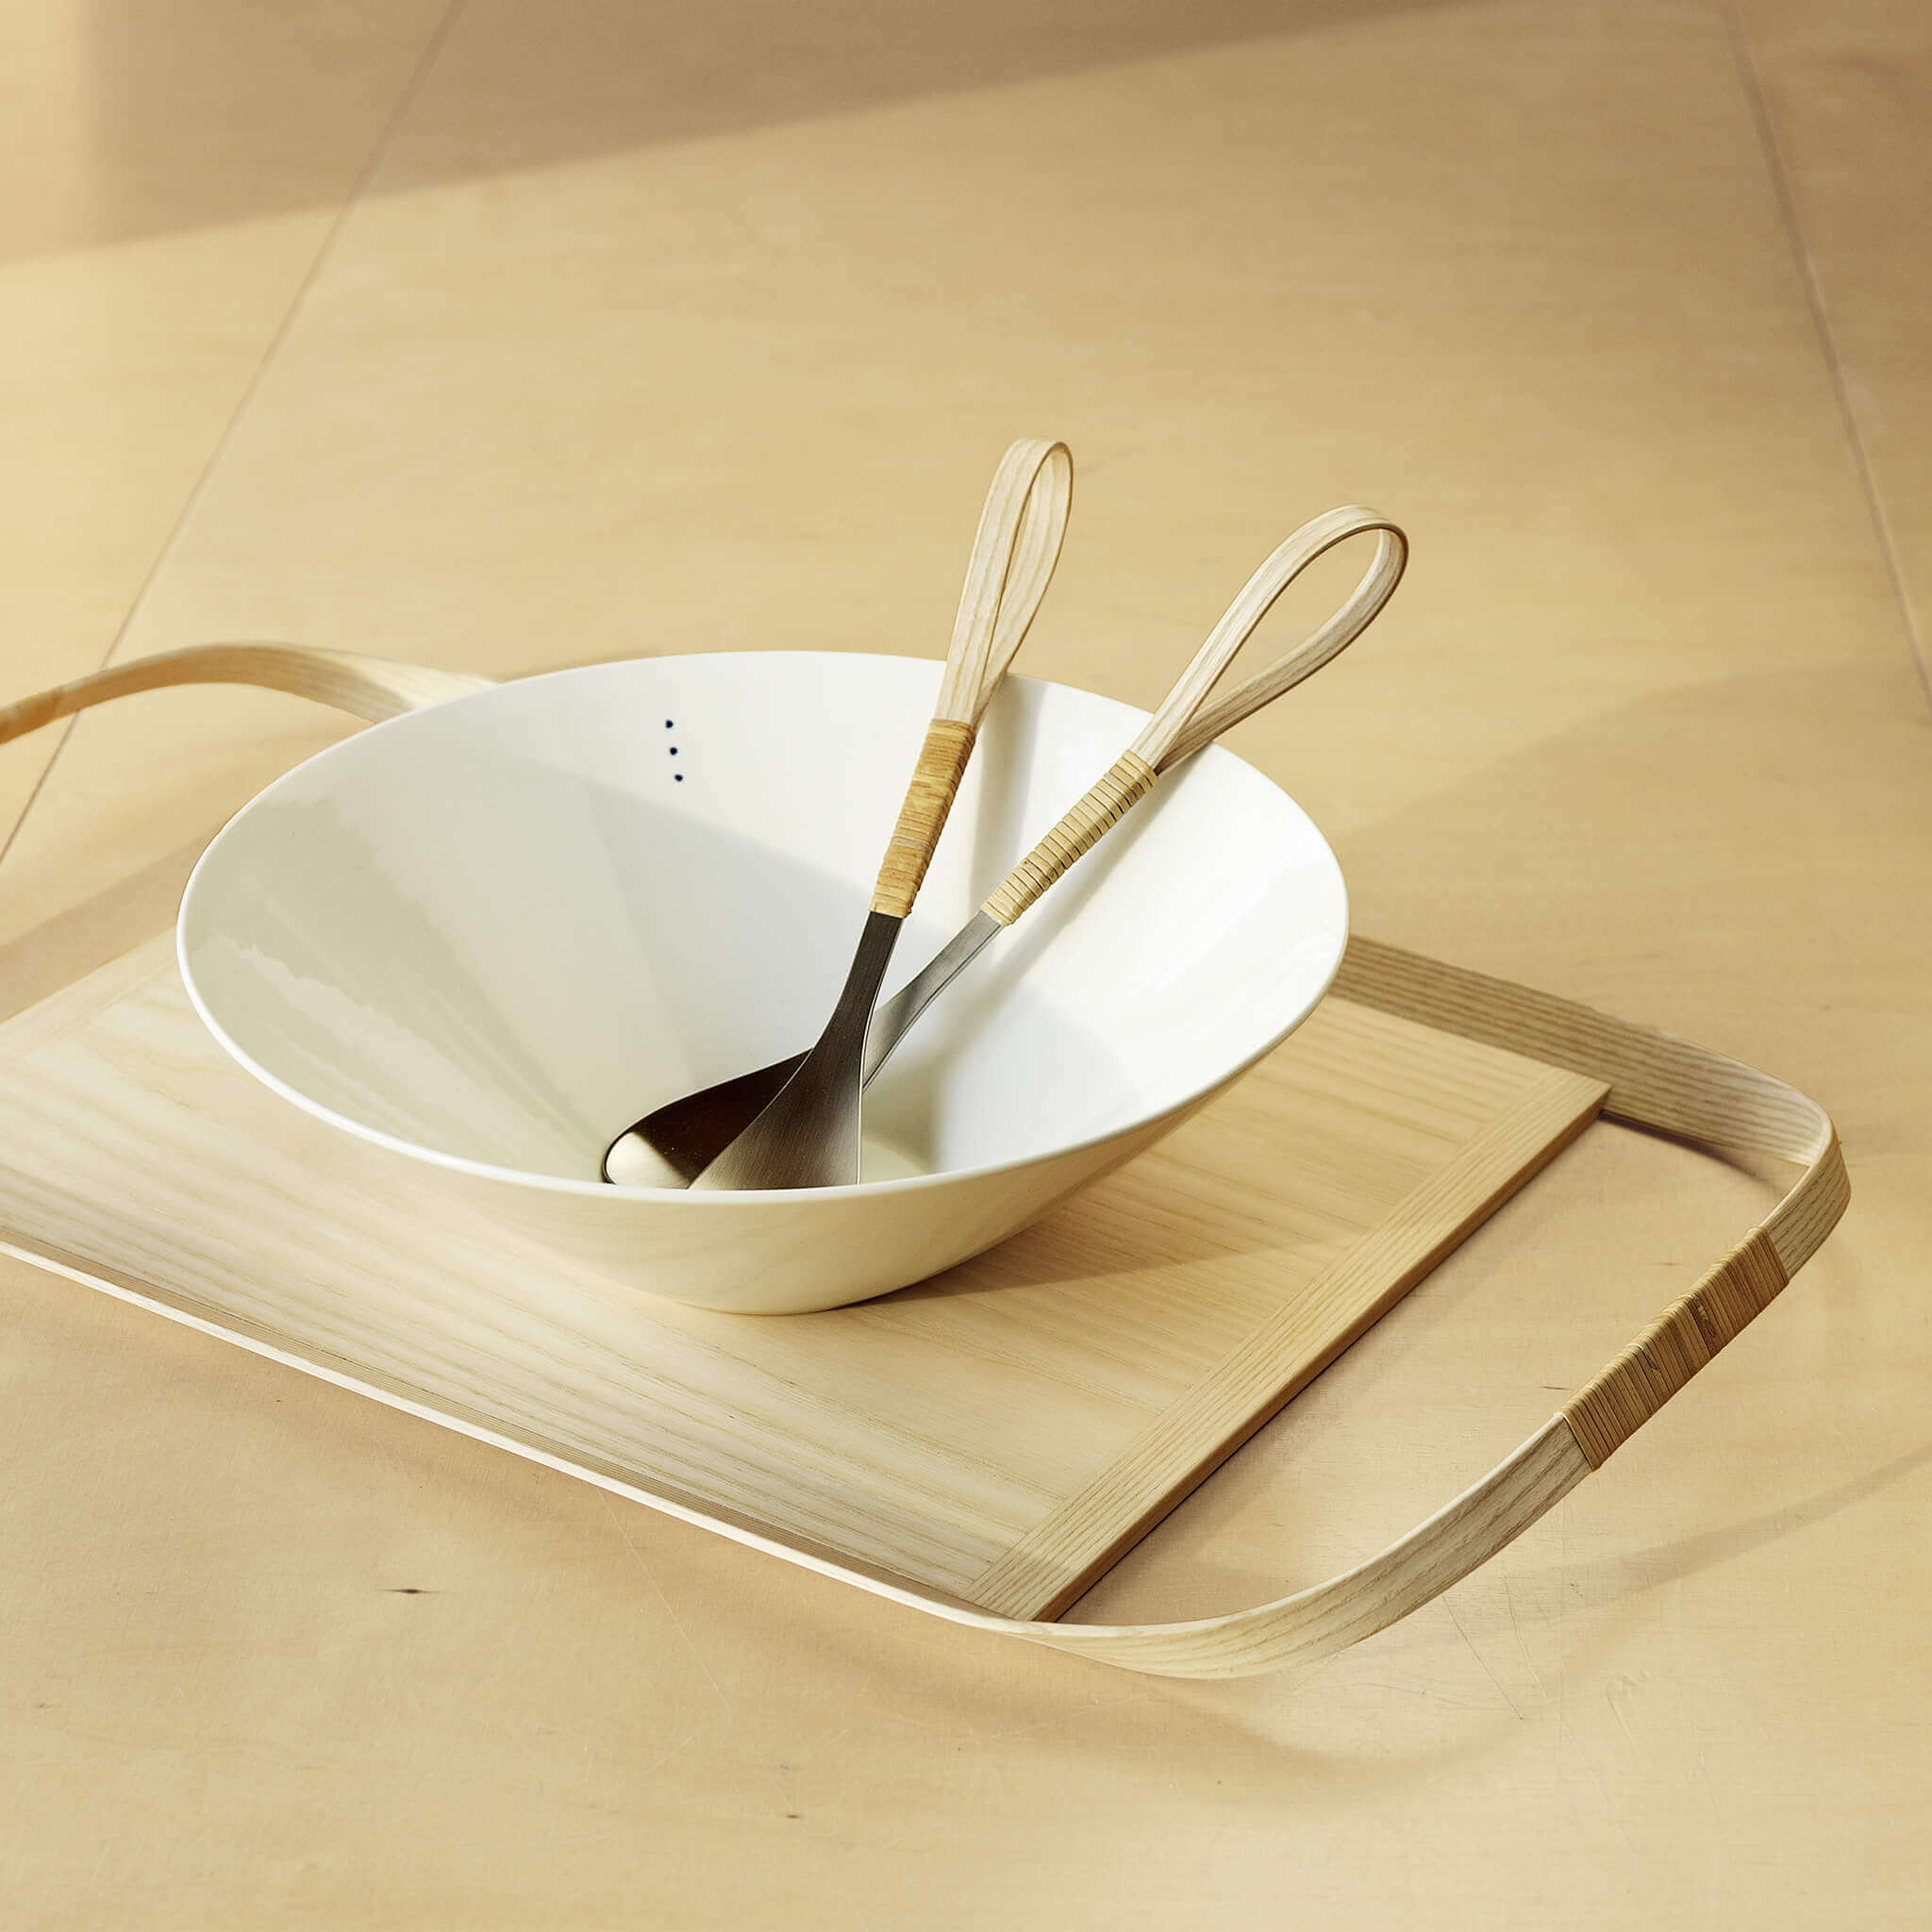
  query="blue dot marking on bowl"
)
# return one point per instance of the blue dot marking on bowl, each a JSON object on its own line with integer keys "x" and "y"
{"x": 677, "y": 777}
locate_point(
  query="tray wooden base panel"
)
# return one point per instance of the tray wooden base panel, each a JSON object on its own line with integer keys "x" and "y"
{"x": 999, "y": 1434}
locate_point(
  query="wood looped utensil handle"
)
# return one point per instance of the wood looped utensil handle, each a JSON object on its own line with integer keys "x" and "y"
{"x": 1185, "y": 722}
{"x": 1018, "y": 542}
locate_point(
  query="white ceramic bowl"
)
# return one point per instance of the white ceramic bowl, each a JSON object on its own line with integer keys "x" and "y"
{"x": 487, "y": 936}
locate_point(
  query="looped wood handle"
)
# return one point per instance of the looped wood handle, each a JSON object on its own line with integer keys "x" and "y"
{"x": 1185, "y": 722}
{"x": 1018, "y": 542}
{"x": 1021, "y": 526}
{"x": 368, "y": 688}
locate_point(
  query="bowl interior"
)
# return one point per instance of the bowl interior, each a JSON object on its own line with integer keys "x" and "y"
{"x": 499, "y": 930}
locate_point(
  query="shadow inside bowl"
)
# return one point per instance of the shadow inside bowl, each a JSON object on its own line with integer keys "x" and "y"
{"x": 364, "y": 1001}
{"x": 364, "y": 998}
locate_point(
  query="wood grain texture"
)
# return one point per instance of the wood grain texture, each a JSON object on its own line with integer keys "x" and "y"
{"x": 996, "y": 1434}
{"x": 1021, "y": 526}
{"x": 1060, "y": 1558}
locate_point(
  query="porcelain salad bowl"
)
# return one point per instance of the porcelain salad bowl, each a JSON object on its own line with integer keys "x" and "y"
{"x": 482, "y": 937}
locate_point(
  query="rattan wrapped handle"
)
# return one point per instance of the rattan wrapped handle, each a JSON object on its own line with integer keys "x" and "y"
{"x": 1185, "y": 722}
{"x": 1081, "y": 827}
{"x": 1018, "y": 542}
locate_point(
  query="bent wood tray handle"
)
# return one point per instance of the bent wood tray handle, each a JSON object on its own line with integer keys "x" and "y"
{"x": 1610, "y": 1408}
{"x": 1014, "y": 550}
{"x": 1185, "y": 722}
{"x": 368, "y": 688}
{"x": 1656, "y": 1081}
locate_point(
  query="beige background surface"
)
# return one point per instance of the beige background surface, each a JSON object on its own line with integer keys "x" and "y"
{"x": 508, "y": 337}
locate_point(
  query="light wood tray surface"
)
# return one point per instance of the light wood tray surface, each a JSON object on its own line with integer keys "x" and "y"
{"x": 997, "y": 1436}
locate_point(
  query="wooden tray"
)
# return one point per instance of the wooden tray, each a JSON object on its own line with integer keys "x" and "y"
{"x": 1000, "y": 1433}
{"x": 981, "y": 1447}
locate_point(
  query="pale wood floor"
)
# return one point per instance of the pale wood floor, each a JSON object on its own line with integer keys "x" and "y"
{"x": 505, "y": 336}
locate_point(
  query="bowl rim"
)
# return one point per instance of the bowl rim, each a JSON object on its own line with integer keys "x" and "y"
{"x": 726, "y": 1198}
